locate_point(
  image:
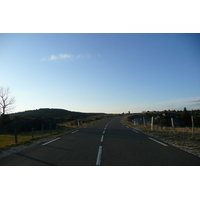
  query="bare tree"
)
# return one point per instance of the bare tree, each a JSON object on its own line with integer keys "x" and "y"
{"x": 6, "y": 101}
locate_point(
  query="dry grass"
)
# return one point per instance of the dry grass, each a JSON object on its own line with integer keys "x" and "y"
{"x": 180, "y": 132}
{"x": 7, "y": 140}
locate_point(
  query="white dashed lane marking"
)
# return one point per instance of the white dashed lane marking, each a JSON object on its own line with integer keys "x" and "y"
{"x": 50, "y": 141}
{"x": 75, "y": 131}
{"x": 98, "y": 162}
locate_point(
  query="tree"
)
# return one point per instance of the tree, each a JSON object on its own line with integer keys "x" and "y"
{"x": 6, "y": 101}
{"x": 185, "y": 116}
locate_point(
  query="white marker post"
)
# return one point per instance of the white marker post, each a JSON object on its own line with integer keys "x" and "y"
{"x": 152, "y": 123}
{"x": 192, "y": 118}
{"x": 172, "y": 120}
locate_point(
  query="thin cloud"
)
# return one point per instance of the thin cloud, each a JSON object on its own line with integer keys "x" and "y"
{"x": 52, "y": 57}
{"x": 65, "y": 56}
{"x": 190, "y": 103}
{"x": 43, "y": 59}
{"x": 195, "y": 101}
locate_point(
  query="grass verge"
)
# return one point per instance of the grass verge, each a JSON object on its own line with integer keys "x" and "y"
{"x": 8, "y": 140}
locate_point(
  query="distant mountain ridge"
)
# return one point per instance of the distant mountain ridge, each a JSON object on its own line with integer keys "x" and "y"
{"x": 51, "y": 113}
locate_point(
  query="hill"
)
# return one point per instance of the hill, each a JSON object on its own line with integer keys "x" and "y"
{"x": 51, "y": 113}
{"x": 46, "y": 118}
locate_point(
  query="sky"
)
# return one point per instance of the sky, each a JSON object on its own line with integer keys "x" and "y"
{"x": 101, "y": 72}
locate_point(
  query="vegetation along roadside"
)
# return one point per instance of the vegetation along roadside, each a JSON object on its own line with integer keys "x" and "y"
{"x": 37, "y": 126}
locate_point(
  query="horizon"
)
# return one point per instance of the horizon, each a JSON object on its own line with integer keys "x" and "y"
{"x": 106, "y": 113}
{"x": 101, "y": 72}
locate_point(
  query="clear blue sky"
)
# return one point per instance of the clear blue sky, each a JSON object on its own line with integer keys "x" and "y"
{"x": 110, "y": 73}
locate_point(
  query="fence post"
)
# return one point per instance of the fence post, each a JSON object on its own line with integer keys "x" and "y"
{"x": 16, "y": 136}
{"x": 152, "y": 123}
{"x": 172, "y": 120}
{"x": 192, "y": 118}
{"x": 32, "y": 132}
{"x": 161, "y": 124}
{"x": 144, "y": 121}
{"x": 50, "y": 128}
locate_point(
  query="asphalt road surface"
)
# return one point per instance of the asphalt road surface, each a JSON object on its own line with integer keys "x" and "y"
{"x": 107, "y": 143}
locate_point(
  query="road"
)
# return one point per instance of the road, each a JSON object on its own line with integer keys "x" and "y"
{"x": 107, "y": 143}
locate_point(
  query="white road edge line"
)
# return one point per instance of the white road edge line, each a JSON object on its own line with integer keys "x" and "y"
{"x": 50, "y": 141}
{"x": 99, "y": 156}
{"x": 127, "y": 127}
{"x": 158, "y": 141}
{"x": 135, "y": 131}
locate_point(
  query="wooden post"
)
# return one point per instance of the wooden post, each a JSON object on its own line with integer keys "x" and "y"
{"x": 152, "y": 123}
{"x": 32, "y": 132}
{"x": 161, "y": 124}
{"x": 172, "y": 120}
{"x": 192, "y": 118}
{"x": 16, "y": 136}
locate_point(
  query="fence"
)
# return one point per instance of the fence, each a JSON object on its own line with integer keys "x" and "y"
{"x": 20, "y": 136}
{"x": 192, "y": 129}
{"x": 16, "y": 135}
